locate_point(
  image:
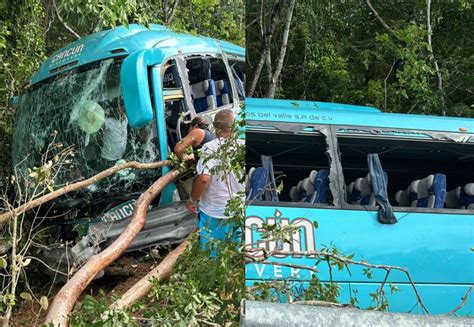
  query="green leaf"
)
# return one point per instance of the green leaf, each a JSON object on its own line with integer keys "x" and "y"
{"x": 44, "y": 302}
{"x": 26, "y": 296}
{"x": 315, "y": 224}
{"x": 3, "y": 263}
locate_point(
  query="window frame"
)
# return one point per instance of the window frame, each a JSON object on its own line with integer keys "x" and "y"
{"x": 332, "y": 136}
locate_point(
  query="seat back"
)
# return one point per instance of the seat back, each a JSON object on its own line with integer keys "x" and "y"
{"x": 362, "y": 192}
{"x": 223, "y": 93}
{"x": 204, "y": 95}
{"x": 321, "y": 186}
{"x": 428, "y": 192}
{"x": 453, "y": 197}
{"x": 466, "y": 197}
{"x": 258, "y": 184}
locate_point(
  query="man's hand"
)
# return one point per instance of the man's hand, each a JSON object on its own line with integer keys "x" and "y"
{"x": 191, "y": 206}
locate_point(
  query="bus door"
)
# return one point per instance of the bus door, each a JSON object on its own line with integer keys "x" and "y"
{"x": 209, "y": 85}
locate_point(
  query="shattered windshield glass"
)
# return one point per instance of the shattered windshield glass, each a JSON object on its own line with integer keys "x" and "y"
{"x": 84, "y": 109}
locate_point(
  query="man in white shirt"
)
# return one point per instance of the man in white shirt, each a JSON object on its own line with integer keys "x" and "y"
{"x": 213, "y": 189}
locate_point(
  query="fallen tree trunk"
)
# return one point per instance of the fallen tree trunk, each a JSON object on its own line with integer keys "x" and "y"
{"x": 66, "y": 298}
{"x": 143, "y": 286}
{"x": 79, "y": 185}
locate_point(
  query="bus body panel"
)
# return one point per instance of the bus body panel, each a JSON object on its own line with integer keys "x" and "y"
{"x": 306, "y": 112}
{"x": 121, "y": 41}
{"x": 436, "y": 249}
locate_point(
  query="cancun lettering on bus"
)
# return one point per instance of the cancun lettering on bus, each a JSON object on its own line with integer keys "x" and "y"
{"x": 67, "y": 53}
{"x": 303, "y": 239}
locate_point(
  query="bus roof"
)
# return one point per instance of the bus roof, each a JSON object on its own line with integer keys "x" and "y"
{"x": 313, "y": 112}
{"x": 122, "y": 41}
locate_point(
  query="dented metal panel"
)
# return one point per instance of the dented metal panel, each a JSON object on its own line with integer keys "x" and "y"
{"x": 164, "y": 225}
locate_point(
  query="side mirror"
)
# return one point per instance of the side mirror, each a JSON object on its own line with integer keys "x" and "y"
{"x": 136, "y": 86}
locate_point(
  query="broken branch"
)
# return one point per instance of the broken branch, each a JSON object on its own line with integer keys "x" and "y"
{"x": 70, "y": 292}
{"x": 143, "y": 286}
{"x": 80, "y": 185}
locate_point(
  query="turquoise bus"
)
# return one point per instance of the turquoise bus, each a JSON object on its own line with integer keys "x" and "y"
{"x": 120, "y": 95}
{"x": 392, "y": 189}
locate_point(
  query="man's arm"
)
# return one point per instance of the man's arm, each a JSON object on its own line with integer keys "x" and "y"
{"x": 193, "y": 138}
{"x": 200, "y": 184}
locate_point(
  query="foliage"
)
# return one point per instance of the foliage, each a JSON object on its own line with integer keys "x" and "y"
{"x": 31, "y": 30}
{"x": 340, "y": 52}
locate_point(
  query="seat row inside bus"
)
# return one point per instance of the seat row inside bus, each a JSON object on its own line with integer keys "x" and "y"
{"x": 210, "y": 86}
{"x": 419, "y": 173}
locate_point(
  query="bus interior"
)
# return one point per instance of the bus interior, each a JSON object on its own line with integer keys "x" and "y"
{"x": 422, "y": 169}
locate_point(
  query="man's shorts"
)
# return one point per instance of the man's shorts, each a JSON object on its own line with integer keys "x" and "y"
{"x": 213, "y": 229}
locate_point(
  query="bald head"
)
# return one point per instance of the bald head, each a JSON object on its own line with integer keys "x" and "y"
{"x": 224, "y": 121}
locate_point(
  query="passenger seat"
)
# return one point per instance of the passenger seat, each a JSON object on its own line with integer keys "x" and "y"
{"x": 461, "y": 197}
{"x": 204, "y": 95}
{"x": 429, "y": 192}
{"x": 360, "y": 192}
{"x": 223, "y": 93}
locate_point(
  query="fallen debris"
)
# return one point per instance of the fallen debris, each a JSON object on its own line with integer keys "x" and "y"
{"x": 66, "y": 298}
{"x": 143, "y": 286}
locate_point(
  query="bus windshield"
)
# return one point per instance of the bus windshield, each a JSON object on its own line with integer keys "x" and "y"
{"x": 83, "y": 109}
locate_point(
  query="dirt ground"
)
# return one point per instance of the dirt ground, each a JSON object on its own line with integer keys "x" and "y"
{"x": 125, "y": 272}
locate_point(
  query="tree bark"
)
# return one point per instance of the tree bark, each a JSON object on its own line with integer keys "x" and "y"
{"x": 430, "y": 49}
{"x": 267, "y": 38}
{"x": 66, "y": 298}
{"x": 79, "y": 185}
{"x": 143, "y": 286}
{"x": 281, "y": 57}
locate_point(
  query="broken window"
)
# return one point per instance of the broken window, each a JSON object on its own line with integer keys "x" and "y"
{"x": 209, "y": 82}
{"x": 238, "y": 73}
{"x": 84, "y": 107}
{"x": 422, "y": 171}
{"x": 300, "y": 163}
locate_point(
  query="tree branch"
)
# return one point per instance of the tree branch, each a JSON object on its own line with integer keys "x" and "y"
{"x": 463, "y": 303}
{"x": 79, "y": 185}
{"x": 432, "y": 57}
{"x": 380, "y": 19}
{"x": 325, "y": 254}
{"x": 64, "y": 300}
{"x": 66, "y": 26}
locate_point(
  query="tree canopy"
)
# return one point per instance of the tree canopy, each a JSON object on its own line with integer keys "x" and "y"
{"x": 369, "y": 53}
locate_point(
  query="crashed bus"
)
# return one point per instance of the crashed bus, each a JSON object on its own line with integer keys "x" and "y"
{"x": 115, "y": 96}
{"x": 391, "y": 189}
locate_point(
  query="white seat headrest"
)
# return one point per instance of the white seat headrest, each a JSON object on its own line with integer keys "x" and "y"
{"x": 452, "y": 198}
{"x": 469, "y": 189}
{"x": 363, "y": 185}
{"x": 298, "y": 186}
{"x": 307, "y": 186}
{"x": 199, "y": 89}
{"x": 421, "y": 186}
{"x": 220, "y": 84}
{"x": 401, "y": 197}
{"x": 312, "y": 175}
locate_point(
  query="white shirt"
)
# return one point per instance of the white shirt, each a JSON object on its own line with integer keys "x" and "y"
{"x": 222, "y": 187}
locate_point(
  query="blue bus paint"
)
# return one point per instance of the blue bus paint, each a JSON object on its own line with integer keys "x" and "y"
{"x": 122, "y": 41}
{"x": 434, "y": 245}
{"x": 307, "y": 112}
{"x": 139, "y": 51}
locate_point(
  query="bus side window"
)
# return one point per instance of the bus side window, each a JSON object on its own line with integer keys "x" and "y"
{"x": 209, "y": 83}
{"x": 300, "y": 164}
{"x": 421, "y": 173}
{"x": 238, "y": 74}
